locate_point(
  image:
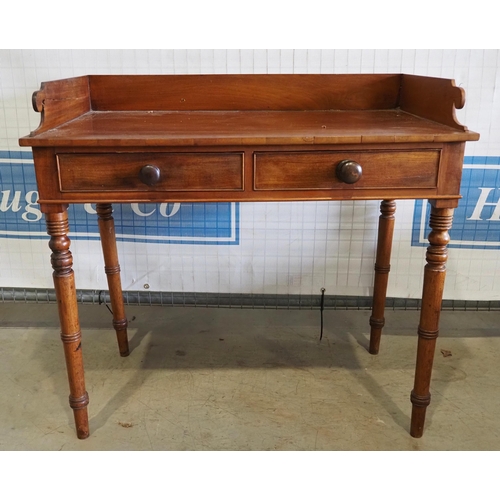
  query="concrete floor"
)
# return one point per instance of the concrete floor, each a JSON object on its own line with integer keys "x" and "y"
{"x": 231, "y": 379}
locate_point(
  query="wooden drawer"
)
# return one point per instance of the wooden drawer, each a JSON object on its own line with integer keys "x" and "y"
{"x": 171, "y": 172}
{"x": 317, "y": 170}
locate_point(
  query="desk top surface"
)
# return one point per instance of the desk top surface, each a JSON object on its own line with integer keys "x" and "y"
{"x": 239, "y": 128}
{"x": 237, "y": 110}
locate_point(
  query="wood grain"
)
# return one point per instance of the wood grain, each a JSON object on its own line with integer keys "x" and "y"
{"x": 382, "y": 269}
{"x": 165, "y": 138}
{"x": 64, "y": 285}
{"x": 61, "y": 101}
{"x": 183, "y": 110}
{"x": 112, "y": 270}
{"x": 236, "y": 128}
{"x": 432, "y": 98}
{"x": 243, "y": 92}
{"x": 178, "y": 171}
{"x": 428, "y": 329}
{"x": 382, "y": 169}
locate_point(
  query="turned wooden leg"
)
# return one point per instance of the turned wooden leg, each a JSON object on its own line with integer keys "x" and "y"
{"x": 382, "y": 268}
{"x": 112, "y": 269}
{"x": 432, "y": 294}
{"x": 64, "y": 284}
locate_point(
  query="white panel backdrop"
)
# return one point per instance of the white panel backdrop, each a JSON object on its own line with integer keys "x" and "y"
{"x": 288, "y": 248}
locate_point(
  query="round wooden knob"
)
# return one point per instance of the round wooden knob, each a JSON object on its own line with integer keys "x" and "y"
{"x": 349, "y": 171}
{"x": 149, "y": 174}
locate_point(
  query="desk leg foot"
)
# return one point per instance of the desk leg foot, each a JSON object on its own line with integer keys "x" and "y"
{"x": 382, "y": 268}
{"x": 112, "y": 269}
{"x": 64, "y": 284}
{"x": 428, "y": 330}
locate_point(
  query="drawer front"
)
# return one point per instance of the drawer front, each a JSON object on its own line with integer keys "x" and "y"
{"x": 317, "y": 170}
{"x": 150, "y": 172}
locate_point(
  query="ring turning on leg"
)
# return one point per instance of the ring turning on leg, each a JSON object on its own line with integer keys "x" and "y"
{"x": 382, "y": 268}
{"x": 428, "y": 330}
{"x": 112, "y": 270}
{"x": 64, "y": 284}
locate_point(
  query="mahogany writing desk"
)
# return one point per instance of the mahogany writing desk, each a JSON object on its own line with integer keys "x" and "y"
{"x": 115, "y": 139}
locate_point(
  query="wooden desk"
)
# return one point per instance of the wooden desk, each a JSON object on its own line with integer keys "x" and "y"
{"x": 114, "y": 139}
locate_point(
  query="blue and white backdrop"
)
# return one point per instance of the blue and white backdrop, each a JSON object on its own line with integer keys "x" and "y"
{"x": 275, "y": 248}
